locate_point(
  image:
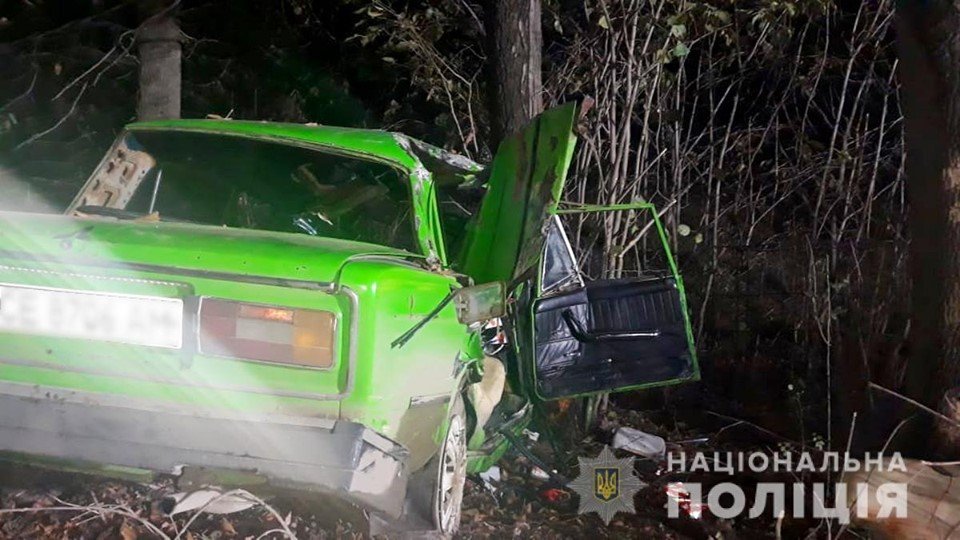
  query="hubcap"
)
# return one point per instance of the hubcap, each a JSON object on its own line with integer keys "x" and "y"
{"x": 453, "y": 473}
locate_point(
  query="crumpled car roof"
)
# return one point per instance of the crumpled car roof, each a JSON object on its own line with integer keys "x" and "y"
{"x": 392, "y": 147}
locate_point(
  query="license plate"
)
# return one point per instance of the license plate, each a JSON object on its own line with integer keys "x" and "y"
{"x": 137, "y": 320}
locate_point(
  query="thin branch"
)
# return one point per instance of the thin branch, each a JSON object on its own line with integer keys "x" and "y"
{"x": 73, "y": 108}
{"x": 244, "y": 495}
{"x": 740, "y": 421}
{"x": 29, "y": 89}
{"x": 915, "y": 403}
{"x": 112, "y": 510}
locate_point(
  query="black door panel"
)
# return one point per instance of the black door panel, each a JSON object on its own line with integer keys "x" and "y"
{"x": 610, "y": 335}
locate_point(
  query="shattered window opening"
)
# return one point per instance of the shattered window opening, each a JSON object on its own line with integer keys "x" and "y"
{"x": 559, "y": 264}
{"x": 256, "y": 184}
{"x": 457, "y": 206}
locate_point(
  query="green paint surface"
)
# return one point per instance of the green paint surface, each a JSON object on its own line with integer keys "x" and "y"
{"x": 526, "y": 180}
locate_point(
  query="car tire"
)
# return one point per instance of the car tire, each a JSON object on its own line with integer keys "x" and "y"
{"x": 437, "y": 492}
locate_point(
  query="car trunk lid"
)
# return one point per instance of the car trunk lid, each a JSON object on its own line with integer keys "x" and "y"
{"x": 98, "y": 306}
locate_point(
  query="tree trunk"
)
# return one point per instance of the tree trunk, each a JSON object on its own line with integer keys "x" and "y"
{"x": 929, "y": 45}
{"x": 158, "y": 41}
{"x": 513, "y": 27}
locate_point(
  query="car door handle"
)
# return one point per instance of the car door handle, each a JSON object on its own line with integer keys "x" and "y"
{"x": 583, "y": 336}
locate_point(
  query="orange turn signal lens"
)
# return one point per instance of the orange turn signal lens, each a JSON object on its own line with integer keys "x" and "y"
{"x": 248, "y": 311}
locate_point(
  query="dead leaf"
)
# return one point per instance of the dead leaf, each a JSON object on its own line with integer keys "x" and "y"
{"x": 227, "y": 527}
{"x": 127, "y": 531}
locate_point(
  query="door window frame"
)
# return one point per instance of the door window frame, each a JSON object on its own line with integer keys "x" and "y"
{"x": 542, "y": 287}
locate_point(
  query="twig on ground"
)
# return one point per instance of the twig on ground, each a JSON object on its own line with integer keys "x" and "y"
{"x": 244, "y": 495}
{"x": 95, "y": 509}
{"x": 738, "y": 421}
{"x": 940, "y": 463}
{"x": 101, "y": 510}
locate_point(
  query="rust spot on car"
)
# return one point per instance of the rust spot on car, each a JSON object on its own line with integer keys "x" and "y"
{"x": 523, "y": 172}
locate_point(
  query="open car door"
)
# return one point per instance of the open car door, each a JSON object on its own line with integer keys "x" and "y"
{"x": 605, "y": 335}
{"x": 570, "y": 337}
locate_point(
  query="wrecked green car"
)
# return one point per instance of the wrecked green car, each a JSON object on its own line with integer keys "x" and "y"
{"x": 305, "y": 306}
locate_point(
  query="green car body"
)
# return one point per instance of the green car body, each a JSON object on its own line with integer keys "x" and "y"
{"x": 358, "y": 424}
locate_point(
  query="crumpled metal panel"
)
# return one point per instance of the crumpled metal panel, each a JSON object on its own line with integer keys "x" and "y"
{"x": 117, "y": 180}
{"x": 480, "y": 303}
{"x": 526, "y": 181}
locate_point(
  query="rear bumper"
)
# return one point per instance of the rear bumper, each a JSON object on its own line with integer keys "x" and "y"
{"x": 345, "y": 459}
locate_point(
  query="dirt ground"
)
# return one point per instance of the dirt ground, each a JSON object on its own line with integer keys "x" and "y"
{"x": 521, "y": 504}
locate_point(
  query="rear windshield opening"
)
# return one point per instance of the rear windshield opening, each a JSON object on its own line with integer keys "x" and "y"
{"x": 254, "y": 184}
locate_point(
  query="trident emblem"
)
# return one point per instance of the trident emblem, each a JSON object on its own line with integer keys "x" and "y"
{"x": 606, "y": 483}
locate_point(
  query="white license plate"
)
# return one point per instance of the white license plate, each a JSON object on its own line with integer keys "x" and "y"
{"x": 137, "y": 320}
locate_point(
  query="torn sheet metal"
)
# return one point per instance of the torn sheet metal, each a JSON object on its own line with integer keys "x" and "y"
{"x": 432, "y": 165}
{"x": 116, "y": 182}
{"x": 526, "y": 179}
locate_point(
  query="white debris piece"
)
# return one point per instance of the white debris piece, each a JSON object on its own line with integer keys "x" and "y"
{"x": 212, "y": 501}
{"x": 539, "y": 474}
{"x": 639, "y": 443}
{"x": 490, "y": 476}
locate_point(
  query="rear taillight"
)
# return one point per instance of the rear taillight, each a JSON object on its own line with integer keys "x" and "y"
{"x": 301, "y": 337}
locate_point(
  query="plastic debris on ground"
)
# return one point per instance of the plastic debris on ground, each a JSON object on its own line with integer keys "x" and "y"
{"x": 539, "y": 474}
{"x": 639, "y": 443}
{"x": 211, "y": 501}
{"x": 490, "y": 476}
{"x": 555, "y": 495}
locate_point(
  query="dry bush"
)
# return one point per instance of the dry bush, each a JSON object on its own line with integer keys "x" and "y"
{"x": 770, "y": 132}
